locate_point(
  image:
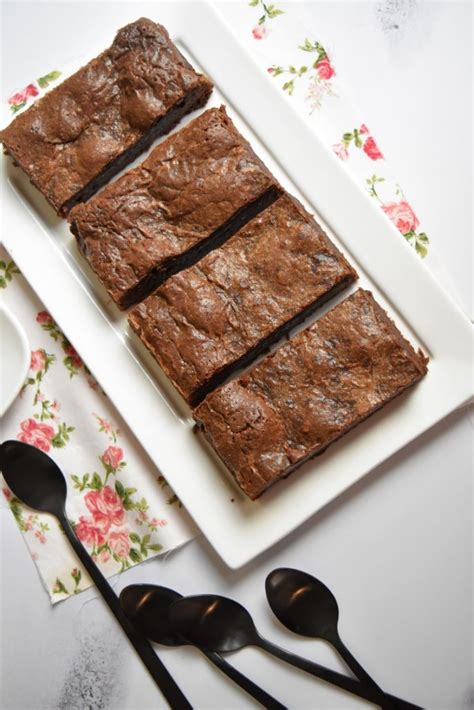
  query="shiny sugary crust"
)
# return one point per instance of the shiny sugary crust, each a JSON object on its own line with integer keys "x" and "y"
{"x": 297, "y": 401}
{"x": 204, "y": 320}
{"x": 187, "y": 189}
{"x": 104, "y": 114}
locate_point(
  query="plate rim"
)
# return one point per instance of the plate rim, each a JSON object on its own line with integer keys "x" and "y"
{"x": 25, "y": 356}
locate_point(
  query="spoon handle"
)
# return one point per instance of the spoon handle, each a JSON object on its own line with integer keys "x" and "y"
{"x": 245, "y": 683}
{"x": 155, "y": 666}
{"x": 328, "y": 675}
{"x": 365, "y": 679}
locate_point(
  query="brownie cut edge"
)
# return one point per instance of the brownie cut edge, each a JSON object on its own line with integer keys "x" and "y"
{"x": 193, "y": 191}
{"x": 219, "y": 315}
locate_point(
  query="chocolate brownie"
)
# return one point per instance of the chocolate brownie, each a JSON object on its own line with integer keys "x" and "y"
{"x": 218, "y": 315}
{"x": 84, "y": 131}
{"x": 194, "y": 190}
{"x": 300, "y": 399}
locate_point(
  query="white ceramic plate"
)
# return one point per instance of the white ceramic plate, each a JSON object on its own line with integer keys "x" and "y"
{"x": 238, "y": 529}
{"x": 14, "y": 358}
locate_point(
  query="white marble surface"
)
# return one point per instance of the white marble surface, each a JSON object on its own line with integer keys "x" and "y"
{"x": 397, "y": 549}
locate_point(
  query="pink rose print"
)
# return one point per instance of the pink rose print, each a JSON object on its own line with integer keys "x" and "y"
{"x": 260, "y": 32}
{"x": 36, "y": 434}
{"x": 371, "y": 149}
{"x": 38, "y": 360}
{"x": 324, "y": 69}
{"x": 22, "y": 96}
{"x": 43, "y": 317}
{"x": 402, "y": 216}
{"x": 75, "y": 357}
{"x": 341, "y": 151}
{"x": 106, "y": 508}
{"x": 105, "y": 556}
{"x": 7, "y": 493}
{"x": 114, "y": 505}
{"x": 39, "y": 535}
{"x": 112, "y": 456}
{"x": 95, "y": 504}
{"x": 31, "y": 90}
{"x": 119, "y": 543}
{"x": 89, "y": 533}
{"x": 363, "y": 129}
{"x": 17, "y": 98}
{"x": 105, "y": 425}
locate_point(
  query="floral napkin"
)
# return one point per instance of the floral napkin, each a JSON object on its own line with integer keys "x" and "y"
{"x": 282, "y": 39}
{"x": 121, "y": 507}
{"x": 123, "y": 510}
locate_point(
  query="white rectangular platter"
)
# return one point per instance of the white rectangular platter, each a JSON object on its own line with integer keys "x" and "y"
{"x": 46, "y": 253}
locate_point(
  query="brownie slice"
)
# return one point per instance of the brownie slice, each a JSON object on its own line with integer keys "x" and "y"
{"x": 297, "y": 401}
{"x": 84, "y": 131}
{"x": 218, "y": 315}
{"x": 193, "y": 191}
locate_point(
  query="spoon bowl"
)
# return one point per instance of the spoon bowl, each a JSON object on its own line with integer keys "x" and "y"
{"x": 302, "y": 603}
{"x": 147, "y": 606}
{"x": 33, "y": 477}
{"x": 213, "y": 623}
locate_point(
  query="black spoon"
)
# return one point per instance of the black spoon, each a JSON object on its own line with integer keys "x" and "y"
{"x": 215, "y": 623}
{"x": 36, "y": 480}
{"x": 147, "y": 606}
{"x": 306, "y": 606}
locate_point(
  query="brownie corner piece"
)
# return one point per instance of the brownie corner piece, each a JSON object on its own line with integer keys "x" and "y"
{"x": 296, "y": 402}
{"x": 241, "y": 426}
{"x": 81, "y": 133}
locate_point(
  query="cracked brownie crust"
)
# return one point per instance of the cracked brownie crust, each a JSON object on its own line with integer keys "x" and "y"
{"x": 81, "y": 133}
{"x": 318, "y": 386}
{"x": 218, "y": 315}
{"x": 193, "y": 191}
